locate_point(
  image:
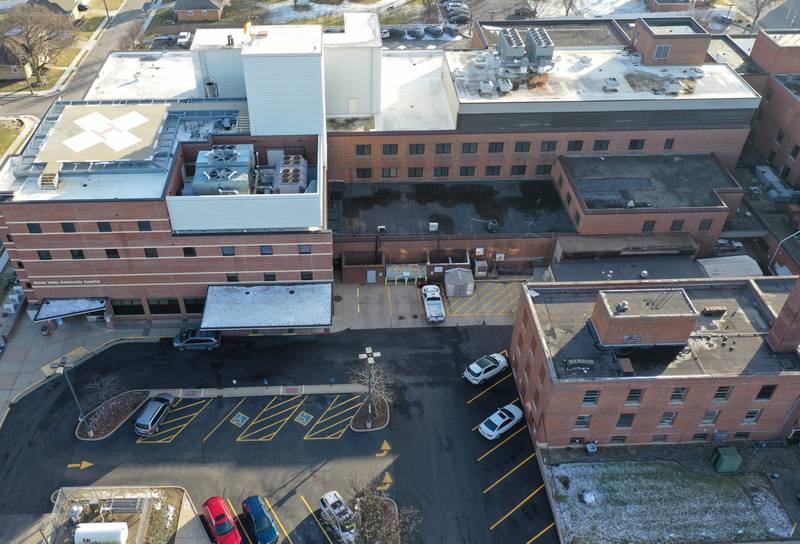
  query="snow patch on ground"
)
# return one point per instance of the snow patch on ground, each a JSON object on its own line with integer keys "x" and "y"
{"x": 284, "y": 12}
{"x": 660, "y": 502}
{"x": 602, "y": 8}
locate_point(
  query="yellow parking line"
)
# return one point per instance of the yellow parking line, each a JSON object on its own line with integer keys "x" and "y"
{"x": 318, "y": 431}
{"x": 177, "y": 403}
{"x": 356, "y": 396}
{"x": 273, "y": 414}
{"x": 280, "y": 524}
{"x": 495, "y": 384}
{"x": 255, "y": 419}
{"x": 181, "y": 428}
{"x": 490, "y": 298}
{"x": 421, "y": 305}
{"x": 543, "y": 531}
{"x": 274, "y": 433}
{"x": 509, "y": 473}
{"x": 183, "y": 407}
{"x": 236, "y": 520}
{"x": 517, "y": 507}
{"x": 476, "y": 300}
{"x": 340, "y": 412}
{"x": 389, "y": 300}
{"x": 515, "y": 433}
{"x": 281, "y": 403}
{"x": 173, "y": 420}
{"x": 502, "y": 302}
{"x": 313, "y": 515}
{"x": 224, "y": 419}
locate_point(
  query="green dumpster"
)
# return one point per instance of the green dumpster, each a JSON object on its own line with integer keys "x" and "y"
{"x": 726, "y": 460}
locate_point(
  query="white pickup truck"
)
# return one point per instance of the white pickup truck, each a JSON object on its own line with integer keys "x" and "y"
{"x": 434, "y": 307}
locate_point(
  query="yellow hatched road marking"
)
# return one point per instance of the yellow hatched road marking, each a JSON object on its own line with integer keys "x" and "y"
{"x": 476, "y": 300}
{"x": 495, "y": 384}
{"x": 517, "y": 507}
{"x": 502, "y": 304}
{"x": 264, "y": 409}
{"x": 183, "y": 407}
{"x": 311, "y": 511}
{"x": 543, "y": 531}
{"x": 272, "y": 435}
{"x": 509, "y": 473}
{"x": 340, "y": 412}
{"x": 224, "y": 419}
{"x": 236, "y": 520}
{"x": 319, "y": 431}
{"x": 515, "y": 433}
{"x": 280, "y": 524}
{"x": 180, "y": 428}
{"x": 489, "y": 301}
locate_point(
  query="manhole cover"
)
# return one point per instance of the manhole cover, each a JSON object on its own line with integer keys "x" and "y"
{"x": 337, "y": 298}
{"x": 239, "y": 419}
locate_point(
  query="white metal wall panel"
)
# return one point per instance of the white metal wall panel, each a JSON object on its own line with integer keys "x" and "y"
{"x": 224, "y": 66}
{"x": 352, "y": 72}
{"x": 285, "y": 94}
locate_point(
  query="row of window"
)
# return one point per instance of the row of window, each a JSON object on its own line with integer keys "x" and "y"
{"x": 230, "y": 277}
{"x": 697, "y": 437}
{"x": 467, "y": 148}
{"x": 444, "y": 171}
{"x": 668, "y": 418}
{"x": 134, "y": 306}
{"x": 678, "y": 395}
{"x": 785, "y": 170}
{"x": 151, "y": 252}
{"x": 102, "y": 226}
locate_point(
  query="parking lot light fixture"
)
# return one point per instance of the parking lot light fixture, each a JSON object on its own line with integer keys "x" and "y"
{"x": 62, "y": 369}
{"x": 369, "y": 356}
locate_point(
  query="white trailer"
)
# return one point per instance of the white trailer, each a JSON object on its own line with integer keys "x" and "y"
{"x": 101, "y": 533}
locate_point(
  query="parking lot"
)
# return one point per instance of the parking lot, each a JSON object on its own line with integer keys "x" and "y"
{"x": 488, "y": 299}
{"x": 292, "y": 449}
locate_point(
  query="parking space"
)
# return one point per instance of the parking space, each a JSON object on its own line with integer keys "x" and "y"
{"x": 183, "y": 414}
{"x": 488, "y": 299}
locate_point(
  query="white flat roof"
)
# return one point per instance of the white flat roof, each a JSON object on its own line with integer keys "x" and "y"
{"x": 55, "y": 308}
{"x": 94, "y": 187}
{"x": 360, "y": 29}
{"x": 581, "y": 75}
{"x": 263, "y": 39}
{"x": 131, "y": 75}
{"x": 412, "y": 93}
{"x": 283, "y": 305}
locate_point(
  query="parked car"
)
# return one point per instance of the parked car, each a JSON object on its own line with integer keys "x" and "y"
{"x": 385, "y": 33}
{"x": 338, "y": 516}
{"x": 395, "y": 32}
{"x": 455, "y": 5}
{"x": 184, "y": 39}
{"x": 725, "y": 245}
{"x": 459, "y": 19}
{"x": 500, "y": 421}
{"x": 262, "y": 524}
{"x": 220, "y": 522}
{"x": 434, "y": 307}
{"x": 153, "y": 413}
{"x": 451, "y": 30}
{"x": 434, "y": 30}
{"x": 416, "y": 32}
{"x": 486, "y": 367}
{"x": 194, "y": 339}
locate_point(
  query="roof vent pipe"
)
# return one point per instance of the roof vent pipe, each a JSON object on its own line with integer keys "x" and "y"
{"x": 622, "y": 306}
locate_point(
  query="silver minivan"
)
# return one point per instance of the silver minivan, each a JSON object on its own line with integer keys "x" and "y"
{"x": 153, "y": 414}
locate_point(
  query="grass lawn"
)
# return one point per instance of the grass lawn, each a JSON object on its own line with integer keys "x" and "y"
{"x": 89, "y": 25}
{"x": 7, "y": 136}
{"x": 50, "y": 78}
{"x": 324, "y": 20}
{"x": 66, "y": 56}
{"x": 113, "y": 5}
{"x": 159, "y": 20}
{"x": 412, "y": 12}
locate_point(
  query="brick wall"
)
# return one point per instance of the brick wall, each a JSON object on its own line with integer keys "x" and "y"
{"x": 683, "y": 49}
{"x": 615, "y": 328}
{"x": 773, "y": 58}
{"x": 779, "y": 111}
{"x": 185, "y": 16}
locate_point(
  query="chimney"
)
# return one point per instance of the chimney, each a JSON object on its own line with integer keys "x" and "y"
{"x": 784, "y": 336}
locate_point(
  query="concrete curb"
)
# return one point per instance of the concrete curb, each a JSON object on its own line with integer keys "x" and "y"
{"x": 262, "y": 391}
{"x": 29, "y": 122}
{"x": 97, "y": 439}
{"x": 382, "y": 427}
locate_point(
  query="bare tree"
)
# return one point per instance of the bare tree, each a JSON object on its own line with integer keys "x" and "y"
{"x": 431, "y": 9}
{"x": 568, "y": 5}
{"x": 377, "y": 520}
{"x": 35, "y": 35}
{"x": 100, "y": 389}
{"x": 759, "y": 6}
{"x": 536, "y": 6}
{"x": 130, "y": 39}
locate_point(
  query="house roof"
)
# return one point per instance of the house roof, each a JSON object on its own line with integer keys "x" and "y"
{"x": 7, "y": 56}
{"x": 58, "y": 6}
{"x": 184, "y": 5}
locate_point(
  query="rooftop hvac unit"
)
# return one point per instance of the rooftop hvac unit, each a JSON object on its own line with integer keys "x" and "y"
{"x": 486, "y": 88}
{"x": 291, "y": 175}
{"x": 504, "y": 85}
{"x": 611, "y": 85}
{"x": 510, "y": 45}
{"x": 224, "y": 153}
{"x": 224, "y": 169}
{"x": 481, "y": 269}
{"x": 540, "y": 46}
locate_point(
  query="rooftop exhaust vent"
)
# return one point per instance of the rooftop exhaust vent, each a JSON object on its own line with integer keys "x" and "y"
{"x": 622, "y": 306}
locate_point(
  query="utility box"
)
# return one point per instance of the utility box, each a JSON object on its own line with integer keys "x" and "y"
{"x": 726, "y": 460}
{"x": 101, "y": 533}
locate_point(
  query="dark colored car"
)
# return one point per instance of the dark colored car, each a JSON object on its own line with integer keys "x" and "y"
{"x": 416, "y": 32}
{"x": 196, "y": 339}
{"x": 220, "y": 522}
{"x": 451, "y": 30}
{"x": 434, "y": 30}
{"x": 395, "y": 32}
{"x": 260, "y": 521}
{"x": 459, "y": 19}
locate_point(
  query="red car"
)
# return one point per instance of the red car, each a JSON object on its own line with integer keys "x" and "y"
{"x": 221, "y": 522}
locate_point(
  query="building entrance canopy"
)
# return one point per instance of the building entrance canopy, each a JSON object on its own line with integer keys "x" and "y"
{"x": 57, "y": 308}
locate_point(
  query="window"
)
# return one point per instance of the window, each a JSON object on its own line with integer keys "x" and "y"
{"x": 34, "y": 228}
{"x": 600, "y": 145}
{"x": 104, "y": 226}
{"x": 44, "y": 255}
{"x": 543, "y": 169}
{"x": 560, "y": 181}
{"x": 9, "y": 239}
{"x": 677, "y": 225}
{"x": 68, "y": 227}
{"x": 144, "y": 226}
{"x": 194, "y": 305}
{"x": 759, "y": 115}
{"x": 163, "y": 305}
{"x": 270, "y": 276}
{"x": 577, "y": 217}
{"x": 265, "y": 250}
{"x": 678, "y": 394}
{"x": 304, "y": 249}
{"x": 659, "y": 438}
{"x": 20, "y": 265}
{"x": 617, "y": 440}
{"x": 741, "y": 435}
{"x": 441, "y": 171}
{"x": 766, "y": 392}
{"x": 127, "y": 306}
{"x": 710, "y": 417}
{"x": 795, "y": 151}
{"x": 231, "y": 277}
{"x": 493, "y": 170}
{"x": 669, "y": 143}
{"x": 363, "y": 150}
{"x": 390, "y": 149}
{"x": 574, "y": 145}
{"x": 705, "y": 224}
{"x": 667, "y": 419}
{"x": 771, "y": 157}
{"x": 150, "y": 252}
{"x": 466, "y": 171}
{"x": 306, "y": 276}
{"x": 700, "y": 437}
{"x": 767, "y": 94}
{"x": 228, "y": 251}
{"x": 590, "y": 397}
{"x": 14, "y": 69}
{"x": 205, "y": 12}
{"x": 363, "y": 173}
{"x": 636, "y": 144}
{"x": 625, "y": 420}
{"x": 469, "y": 147}
{"x": 785, "y": 171}
{"x": 661, "y": 52}
{"x": 723, "y": 393}
{"x": 780, "y": 136}
{"x": 442, "y": 149}
{"x": 390, "y": 172}
{"x": 189, "y": 252}
{"x": 548, "y": 146}
{"x": 751, "y": 416}
{"x": 496, "y": 147}
{"x": 634, "y": 396}
{"x": 416, "y": 149}
{"x": 518, "y": 170}
{"x": 415, "y": 172}
{"x": 582, "y": 422}
{"x": 522, "y": 147}
{"x": 648, "y": 225}
{"x": 112, "y": 254}
{"x": 28, "y": 285}
{"x": 569, "y": 199}
{"x": 77, "y": 253}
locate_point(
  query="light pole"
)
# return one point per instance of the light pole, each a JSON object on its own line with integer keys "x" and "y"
{"x": 108, "y": 16}
{"x": 62, "y": 369}
{"x": 369, "y": 356}
{"x": 777, "y": 249}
